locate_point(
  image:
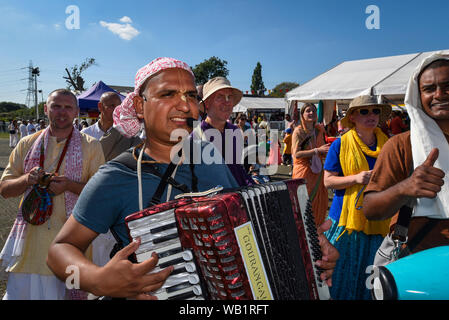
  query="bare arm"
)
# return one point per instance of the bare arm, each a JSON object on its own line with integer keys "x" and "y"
{"x": 118, "y": 278}
{"x": 425, "y": 181}
{"x": 16, "y": 187}
{"x": 298, "y": 153}
{"x": 333, "y": 181}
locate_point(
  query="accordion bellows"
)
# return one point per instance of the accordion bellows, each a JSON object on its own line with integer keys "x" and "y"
{"x": 257, "y": 242}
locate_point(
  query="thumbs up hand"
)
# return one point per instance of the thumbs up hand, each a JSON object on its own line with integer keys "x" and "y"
{"x": 426, "y": 180}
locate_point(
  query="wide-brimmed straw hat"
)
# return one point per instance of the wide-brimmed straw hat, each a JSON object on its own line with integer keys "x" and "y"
{"x": 366, "y": 101}
{"x": 218, "y": 83}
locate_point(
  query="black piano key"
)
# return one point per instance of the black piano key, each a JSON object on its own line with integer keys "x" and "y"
{"x": 171, "y": 262}
{"x": 168, "y": 253}
{"x": 178, "y": 287}
{"x": 165, "y": 238}
{"x": 183, "y": 296}
{"x": 162, "y": 228}
{"x": 177, "y": 271}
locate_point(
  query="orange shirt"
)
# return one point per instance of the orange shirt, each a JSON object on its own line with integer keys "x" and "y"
{"x": 288, "y": 144}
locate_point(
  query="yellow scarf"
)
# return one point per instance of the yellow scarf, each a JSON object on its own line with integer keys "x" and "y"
{"x": 353, "y": 161}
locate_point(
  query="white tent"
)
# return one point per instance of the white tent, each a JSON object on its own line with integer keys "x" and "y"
{"x": 385, "y": 77}
{"x": 260, "y": 104}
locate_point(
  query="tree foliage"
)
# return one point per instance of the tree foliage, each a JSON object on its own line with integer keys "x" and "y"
{"x": 257, "y": 86}
{"x": 282, "y": 88}
{"x": 6, "y": 106}
{"x": 22, "y": 112}
{"x": 74, "y": 79}
{"x": 210, "y": 68}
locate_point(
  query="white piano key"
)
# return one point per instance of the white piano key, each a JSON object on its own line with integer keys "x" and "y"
{"x": 150, "y": 237}
{"x": 187, "y": 266}
{"x": 148, "y": 220}
{"x": 160, "y": 250}
{"x": 150, "y": 246}
{"x": 176, "y": 279}
{"x": 150, "y": 228}
{"x": 162, "y": 294}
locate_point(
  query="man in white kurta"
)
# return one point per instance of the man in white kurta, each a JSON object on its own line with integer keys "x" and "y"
{"x": 25, "y": 252}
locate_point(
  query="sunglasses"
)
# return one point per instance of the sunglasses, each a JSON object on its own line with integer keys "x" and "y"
{"x": 365, "y": 112}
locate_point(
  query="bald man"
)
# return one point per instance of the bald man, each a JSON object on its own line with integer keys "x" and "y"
{"x": 112, "y": 142}
{"x": 106, "y": 105}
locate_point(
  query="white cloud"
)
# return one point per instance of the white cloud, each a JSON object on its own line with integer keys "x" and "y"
{"x": 124, "y": 30}
{"x": 126, "y": 19}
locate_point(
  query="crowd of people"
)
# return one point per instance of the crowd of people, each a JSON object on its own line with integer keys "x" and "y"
{"x": 99, "y": 175}
{"x": 19, "y": 129}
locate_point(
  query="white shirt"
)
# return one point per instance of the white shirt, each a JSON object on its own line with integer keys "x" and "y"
{"x": 31, "y": 128}
{"x": 94, "y": 131}
{"x": 23, "y": 130}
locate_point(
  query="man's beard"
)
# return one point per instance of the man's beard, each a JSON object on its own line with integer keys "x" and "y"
{"x": 54, "y": 124}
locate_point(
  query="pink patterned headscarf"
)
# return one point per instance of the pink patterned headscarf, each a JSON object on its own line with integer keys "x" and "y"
{"x": 125, "y": 116}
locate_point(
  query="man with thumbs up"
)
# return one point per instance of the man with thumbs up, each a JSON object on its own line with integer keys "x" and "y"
{"x": 412, "y": 168}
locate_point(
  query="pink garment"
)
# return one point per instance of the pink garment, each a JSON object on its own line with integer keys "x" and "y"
{"x": 275, "y": 154}
{"x": 125, "y": 116}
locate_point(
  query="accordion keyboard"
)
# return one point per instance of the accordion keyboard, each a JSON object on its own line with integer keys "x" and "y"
{"x": 158, "y": 233}
{"x": 312, "y": 240}
{"x": 201, "y": 236}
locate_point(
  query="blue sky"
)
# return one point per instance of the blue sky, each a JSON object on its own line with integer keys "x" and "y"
{"x": 293, "y": 40}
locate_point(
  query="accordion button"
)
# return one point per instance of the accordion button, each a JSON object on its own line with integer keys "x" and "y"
{"x": 187, "y": 255}
{"x": 194, "y": 279}
{"x": 190, "y": 267}
{"x": 197, "y": 290}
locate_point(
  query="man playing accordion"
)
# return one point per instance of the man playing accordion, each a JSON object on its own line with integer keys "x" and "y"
{"x": 164, "y": 99}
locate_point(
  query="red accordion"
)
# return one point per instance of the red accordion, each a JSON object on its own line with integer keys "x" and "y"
{"x": 257, "y": 242}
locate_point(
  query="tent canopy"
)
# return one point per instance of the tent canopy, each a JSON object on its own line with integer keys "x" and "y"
{"x": 386, "y": 76}
{"x": 257, "y": 103}
{"x": 89, "y": 99}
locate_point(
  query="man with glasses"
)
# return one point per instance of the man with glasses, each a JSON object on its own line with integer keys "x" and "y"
{"x": 164, "y": 99}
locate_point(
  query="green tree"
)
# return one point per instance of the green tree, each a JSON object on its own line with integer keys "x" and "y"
{"x": 257, "y": 86}
{"x": 210, "y": 68}
{"x": 282, "y": 88}
{"x": 22, "y": 113}
{"x": 74, "y": 79}
{"x": 6, "y": 106}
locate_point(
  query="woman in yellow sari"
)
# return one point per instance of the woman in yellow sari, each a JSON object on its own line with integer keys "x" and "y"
{"x": 347, "y": 170}
{"x": 308, "y": 150}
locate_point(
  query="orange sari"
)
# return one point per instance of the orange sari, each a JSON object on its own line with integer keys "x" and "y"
{"x": 302, "y": 169}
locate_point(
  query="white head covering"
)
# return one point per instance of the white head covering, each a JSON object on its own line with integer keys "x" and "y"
{"x": 425, "y": 135}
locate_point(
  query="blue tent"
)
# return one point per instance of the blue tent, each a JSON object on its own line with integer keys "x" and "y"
{"x": 88, "y": 100}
